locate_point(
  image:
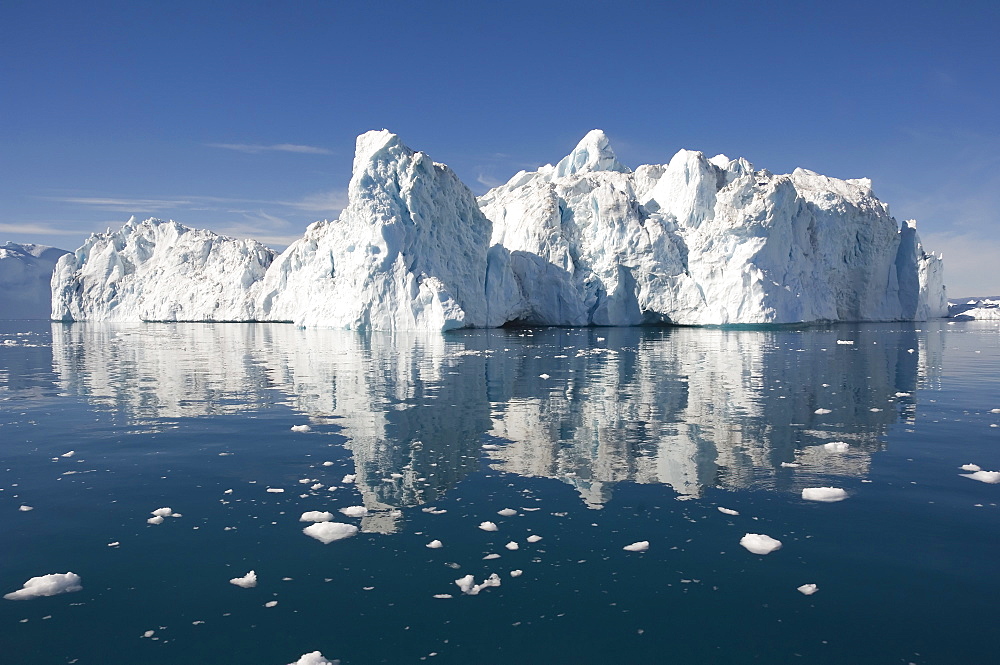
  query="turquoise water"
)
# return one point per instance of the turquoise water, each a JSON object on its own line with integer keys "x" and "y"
{"x": 597, "y": 438}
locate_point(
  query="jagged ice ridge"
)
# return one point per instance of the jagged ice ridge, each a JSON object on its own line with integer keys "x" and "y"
{"x": 587, "y": 241}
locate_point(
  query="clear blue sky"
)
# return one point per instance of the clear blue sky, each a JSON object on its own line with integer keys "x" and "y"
{"x": 241, "y": 116}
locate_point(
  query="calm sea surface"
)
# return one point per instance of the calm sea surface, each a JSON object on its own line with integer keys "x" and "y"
{"x": 594, "y": 439}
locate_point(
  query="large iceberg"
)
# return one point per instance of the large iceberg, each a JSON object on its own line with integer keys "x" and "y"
{"x": 587, "y": 241}
{"x": 25, "y": 274}
{"x": 159, "y": 271}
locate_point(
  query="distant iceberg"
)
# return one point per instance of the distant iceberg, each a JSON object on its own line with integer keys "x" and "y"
{"x": 25, "y": 273}
{"x": 697, "y": 241}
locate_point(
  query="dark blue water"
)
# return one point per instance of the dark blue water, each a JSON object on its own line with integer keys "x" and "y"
{"x": 597, "y": 438}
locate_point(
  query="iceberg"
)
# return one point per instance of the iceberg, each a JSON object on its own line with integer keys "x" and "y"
{"x": 25, "y": 274}
{"x": 159, "y": 270}
{"x": 588, "y": 241}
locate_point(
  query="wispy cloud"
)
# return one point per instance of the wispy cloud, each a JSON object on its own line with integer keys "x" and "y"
{"x": 331, "y": 201}
{"x": 36, "y": 229}
{"x": 253, "y": 148}
{"x": 488, "y": 181}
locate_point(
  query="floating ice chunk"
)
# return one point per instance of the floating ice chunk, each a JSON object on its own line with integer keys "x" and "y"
{"x": 270, "y": 603}
{"x": 728, "y": 511}
{"x": 47, "y": 585}
{"x": 149, "y": 633}
{"x": 808, "y": 589}
{"x": 327, "y": 532}
{"x": 468, "y": 586}
{"x": 488, "y": 526}
{"x": 822, "y": 412}
{"x": 845, "y": 341}
{"x": 640, "y": 546}
{"x": 970, "y": 467}
{"x": 316, "y": 486}
{"x": 443, "y": 595}
{"x": 490, "y": 557}
{"x": 25, "y": 509}
{"x": 543, "y": 376}
{"x": 991, "y": 477}
{"x": 316, "y": 516}
{"x": 826, "y": 494}
{"x": 114, "y": 544}
{"x": 902, "y": 394}
{"x": 248, "y": 581}
{"x": 507, "y": 512}
{"x": 301, "y": 428}
{"x": 466, "y": 583}
{"x": 327, "y": 463}
{"x": 994, "y": 410}
{"x": 312, "y": 658}
{"x": 349, "y": 478}
{"x": 516, "y": 573}
{"x": 275, "y": 490}
{"x": 758, "y": 543}
{"x": 435, "y": 544}
{"x": 69, "y": 453}
{"x": 155, "y": 520}
{"x": 512, "y": 545}
{"x": 434, "y": 511}
{"x": 533, "y": 538}
{"x": 354, "y": 511}
{"x": 163, "y": 512}
{"x": 228, "y": 492}
{"x": 836, "y": 446}
{"x": 790, "y": 465}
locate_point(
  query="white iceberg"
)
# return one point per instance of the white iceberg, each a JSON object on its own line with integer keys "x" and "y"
{"x": 25, "y": 277}
{"x": 316, "y": 516}
{"x": 327, "y": 532}
{"x": 488, "y": 526}
{"x": 47, "y": 585}
{"x": 807, "y": 589}
{"x": 991, "y": 477}
{"x": 248, "y": 581}
{"x": 640, "y": 546}
{"x": 312, "y": 658}
{"x": 759, "y": 543}
{"x": 826, "y": 494}
{"x": 354, "y": 511}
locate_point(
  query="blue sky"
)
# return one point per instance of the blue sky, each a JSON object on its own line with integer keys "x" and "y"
{"x": 241, "y": 117}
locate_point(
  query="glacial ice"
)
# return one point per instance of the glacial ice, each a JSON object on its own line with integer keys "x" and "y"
{"x": 758, "y": 543}
{"x": 824, "y": 494}
{"x": 248, "y": 581}
{"x": 640, "y": 546}
{"x": 47, "y": 585}
{"x": 327, "y": 532}
{"x": 585, "y": 242}
{"x": 313, "y": 658}
{"x": 807, "y": 589}
{"x": 25, "y": 277}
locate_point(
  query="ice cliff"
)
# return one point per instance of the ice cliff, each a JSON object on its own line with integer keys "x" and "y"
{"x": 159, "y": 271}
{"x": 584, "y": 242}
{"x": 25, "y": 273}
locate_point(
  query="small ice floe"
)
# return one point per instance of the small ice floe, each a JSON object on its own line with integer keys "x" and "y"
{"x": 149, "y": 633}
{"x": 155, "y": 520}
{"x": 994, "y": 410}
{"x": 327, "y": 532}
{"x": 349, "y": 478}
{"x": 875, "y": 410}
{"x": 434, "y": 511}
{"x": 808, "y": 589}
{"x": 316, "y": 486}
{"x": 640, "y": 546}
{"x": 316, "y": 516}
{"x": 328, "y": 463}
{"x": 68, "y": 453}
{"x": 490, "y": 446}
{"x": 274, "y": 490}
{"x": 301, "y": 428}
{"x": 512, "y": 546}
{"x": 845, "y": 341}
{"x": 790, "y": 465}
{"x": 516, "y": 573}
{"x": 543, "y": 376}
{"x": 836, "y": 446}
{"x": 270, "y": 603}
{"x": 490, "y": 557}
{"x": 312, "y": 658}
{"x": 758, "y": 543}
{"x": 443, "y": 595}
{"x": 469, "y": 587}
{"x": 25, "y": 509}
{"x": 228, "y": 492}
{"x": 728, "y": 511}
{"x": 165, "y": 512}
{"x": 970, "y": 467}
{"x": 533, "y": 538}
{"x": 47, "y": 585}
{"x": 822, "y": 412}
{"x": 435, "y": 544}
{"x": 507, "y": 512}
{"x": 354, "y": 511}
{"x": 488, "y": 526}
{"x": 902, "y": 394}
{"x": 114, "y": 544}
{"x": 991, "y": 477}
{"x": 826, "y": 494}
{"x": 248, "y": 581}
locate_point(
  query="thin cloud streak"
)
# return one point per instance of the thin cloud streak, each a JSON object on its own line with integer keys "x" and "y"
{"x": 253, "y": 149}
{"x": 36, "y": 229}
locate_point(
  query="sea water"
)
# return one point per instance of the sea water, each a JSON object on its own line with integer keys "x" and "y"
{"x": 579, "y": 445}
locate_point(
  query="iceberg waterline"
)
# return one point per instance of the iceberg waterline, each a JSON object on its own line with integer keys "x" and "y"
{"x": 696, "y": 241}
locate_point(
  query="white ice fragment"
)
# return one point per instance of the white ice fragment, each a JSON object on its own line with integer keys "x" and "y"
{"x": 69, "y": 453}
{"x": 836, "y": 446}
{"x": 490, "y": 557}
{"x": 275, "y": 490}
{"x": 149, "y": 633}
{"x": 826, "y": 494}
{"x": 468, "y": 586}
{"x": 270, "y": 603}
{"x": 327, "y": 532}
{"x": 902, "y": 394}
{"x": 443, "y": 595}
{"x": 316, "y": 516}
{"x": 163, "y": 512}
{"x": 47, "y": 585}
{"x": 533, "y": 538}
{"x": 728, "y": 511}
{"x": 114, "y": 544}
{"x": 822, "y": 412}
{"x": 991, "y": 477}
{"x": 301, "y": 428}
{"x": 25, "y": 509}
{"x": 543, "y": 376}
{"x": 516, "y": 573}
{"x": 155, "y": 520}
{"x": 312, "y": 658}
{"x": 994, "y": 410}
{"x": 970, "y": 467}
{"x": 640, "y": 546}
{"x": 349, "y": 478}
{"x": 466, "y": 583}
{"x": 511, "y": 545}
{"x": 790, "y": 465}
{"x": 228, "y": 492}
{"x": 354, "y": 511}
{"x": 488, "y": 526}
{"x": 327, "y": 463}
{"x": 435, "y": 544}
{"x": 845, "y": 341}
{"x": 248, "y": 581}
{"x": 808, "y": 589}
{"x": 758, "y": 543}
{"x": 507, "y": 512}
{"x": 316, "y": 486}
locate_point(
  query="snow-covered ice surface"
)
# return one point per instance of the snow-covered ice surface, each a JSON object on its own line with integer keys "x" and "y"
{"x": 440, "y": 433}
{"x": 585, "y": 242}
{"x": 968, "y": 309}
{"x": 25, "y": 275}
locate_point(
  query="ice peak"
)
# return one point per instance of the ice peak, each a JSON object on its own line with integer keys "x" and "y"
{"x": 373, "y": 142}
{"x": 593, "y": 153}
